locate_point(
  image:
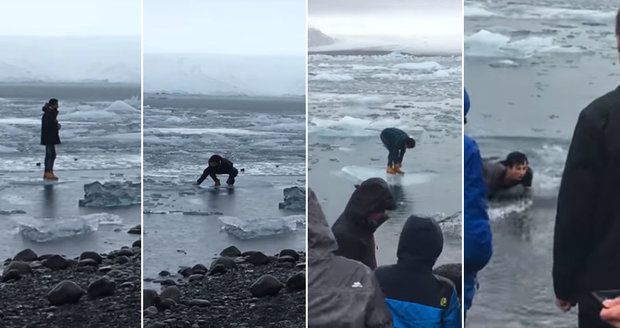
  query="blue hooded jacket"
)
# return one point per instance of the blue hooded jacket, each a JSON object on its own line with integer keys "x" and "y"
{"x": 415, "y": 296}
{"x": 477, "y": 230}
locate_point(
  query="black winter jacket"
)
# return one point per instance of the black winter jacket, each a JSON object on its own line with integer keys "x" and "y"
{"x": 354, "y": 230}
{"x": 586, "y": 250}
{"x": 49, "y": 126}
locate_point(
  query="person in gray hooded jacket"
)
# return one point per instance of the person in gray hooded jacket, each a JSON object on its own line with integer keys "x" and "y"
{"x": 342, "y": 293}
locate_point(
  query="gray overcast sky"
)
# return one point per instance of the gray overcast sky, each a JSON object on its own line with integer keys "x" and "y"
{"x": 266, "y": 27}
{"x": 387, "y": 17}
{"x": 70, "y": 17}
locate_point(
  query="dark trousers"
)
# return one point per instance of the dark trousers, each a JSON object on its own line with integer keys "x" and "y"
{"x": 50, "y": 157}
{"x": 209, "y": 171}
{"x": 393, "y": 152}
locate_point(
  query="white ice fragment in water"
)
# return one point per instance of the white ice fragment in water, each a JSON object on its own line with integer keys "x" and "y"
{"x": 250, "y": 228}
{"x": 49, "y": 229}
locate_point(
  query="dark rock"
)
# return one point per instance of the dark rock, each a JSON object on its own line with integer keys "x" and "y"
{"x": 171, "y": 292}
{"x": 164, "y": 273}
{"x": 199, "y": 269}
{"x": 127, "y": 284}
{"x": 150, "y": 298}
{"x": 219, "y": 268}
{"x": 101, "y": 287}
{"x": 231, "y": 251}
{"x": 166, "y": 303}
{"x": 151, "y": 310}
{"x": 286, "y": 265}
{"x": 105, "y": 269}
{"x": 168, "y": 282}
{"x": 289, "y": 252}
{"x": 136, "y": 230}
{"x": 248, "y": 253}
{"x": 56, "y": 262}
{"x": 11, "y": 275}
{"x": 196, "y": 277}
{"x": 65, "y": 292}
{"x": 265, "y": 286}
{"x": 228, "y": 263}
{"x": 27, "y": 255}
{"x": 286, "y": 258}
{"x": 185, "y": 271}
{"x": 296, "y": 282}
{"x": 91, "y": 255}
{"x": 137, "y": 243}
{"x": 45, "y": 257}
{"x": 122, "y": 259}
{"x": 21, "y": 267}
{"x": 258, "y": 258}
{"x": 199, "y": 303}
{"x": 294, "y": 199}
{"x": 125, "y": 252}
{"x": 87, "y": 262}
{"x": 88, "y": 269}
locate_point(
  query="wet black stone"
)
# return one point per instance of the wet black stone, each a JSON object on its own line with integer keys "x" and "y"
{"x": 228, "y": 263}
{"x": 291, "y": 253}
{"x": 27, "y": 255}
{"x": 218, "y": 269}
{"x": 231, "y": 251}
{"x": 296, "y": 282}
{"x": 101, "y": 287}
{"x": 258, "y": 258}
{"x": 65, "y": 292}
{"x": 266, "y": 285}
{"x": 56, "y": 262}
{"x": 150, "y": 298}
{"x": 91, "y": 255}
{"x": 11, "y": 275}
{"x": 199, "y": 269}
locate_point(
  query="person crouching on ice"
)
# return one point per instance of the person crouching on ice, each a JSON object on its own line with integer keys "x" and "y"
{"x": 397, "y": 142}
{"x": 219, "y": 165}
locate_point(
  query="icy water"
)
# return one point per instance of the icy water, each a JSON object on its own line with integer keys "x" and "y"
{"x": 100, "y": 137}
{"x": 530, "y": 68}
{"x": 263, "y": 136}
{"x": 352, "y": 98}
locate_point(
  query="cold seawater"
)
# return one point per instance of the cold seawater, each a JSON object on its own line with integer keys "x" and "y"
{"x": 530, "y": 68}
{"x": 352, "y": 98}
{"x": 183, "y": 223}
{"x": 100, "y": 137}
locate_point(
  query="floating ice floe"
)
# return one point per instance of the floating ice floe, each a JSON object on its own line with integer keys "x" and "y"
{"x": 111, "y": 194}
{"x": 294, "y": 199}
{"x": 50, "y": 229}
{"x": 251, "y": 228}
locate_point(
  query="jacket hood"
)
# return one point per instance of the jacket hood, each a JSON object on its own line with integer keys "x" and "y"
{"x": 421, "y": 241}
{"x": 371, "y": 196}
{"x": 321, "y": 241}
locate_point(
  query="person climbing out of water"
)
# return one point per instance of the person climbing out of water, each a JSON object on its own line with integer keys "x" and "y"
{"x": 396, "y": 141}
{"x": 478, "y": 247}
{"x": 365, "y": 212}
{"x": 415, "y": 296}
{"x": 50, "y": 137}
{"x": 342, "y": 293}
{"x": 586, "y": 243}
{"x": 506, "y": 174}
{"x": 219, "y": 165}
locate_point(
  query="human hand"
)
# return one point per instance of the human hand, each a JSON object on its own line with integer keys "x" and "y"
{"x": 611, "y": 312}
{"x": 563, "y": 305}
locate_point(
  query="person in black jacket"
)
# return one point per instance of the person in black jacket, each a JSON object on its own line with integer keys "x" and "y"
{"x": 219, "y": 165}
{"x": 397, "y": 142}
{"x": 415, "y": 296}
{"x": 586, "y": 255}
{"x": 365, "y": 212}
{"x": 50, "y": 137}
{"x": 342, "y": 293}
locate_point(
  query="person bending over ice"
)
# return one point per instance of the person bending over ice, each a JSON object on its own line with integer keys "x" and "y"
{"x": 397, "y": 142}
{"x": 219, "y": 165}
{"x": 415, "y": 296}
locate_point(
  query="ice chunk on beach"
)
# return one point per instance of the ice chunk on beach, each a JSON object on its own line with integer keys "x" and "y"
{"x": 251, "y": 228}
{"x": 50, "y": 229}
{"x": 111, "y": 194}
{"x": 294, "y": 199}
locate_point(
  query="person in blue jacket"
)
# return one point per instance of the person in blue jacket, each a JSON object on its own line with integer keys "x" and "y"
{"x": 477, "y": 230}
{"x": 415, "y": 296}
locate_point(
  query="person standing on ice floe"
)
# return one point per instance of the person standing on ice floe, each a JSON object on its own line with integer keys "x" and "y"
{"x": 219, "y": 165}
{"x": 49, "y": 136}
{"x": 397, "y": 142}
{"x": 477, "y": 230}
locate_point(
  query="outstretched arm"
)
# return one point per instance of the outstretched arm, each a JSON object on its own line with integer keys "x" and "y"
{"x": 401, "y": 155}
{"x": 204, "y": 175}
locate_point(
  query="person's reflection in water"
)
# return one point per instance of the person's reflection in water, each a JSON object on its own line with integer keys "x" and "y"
{"x": 401, "y": 199}
{"x": 48, "y": 206}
